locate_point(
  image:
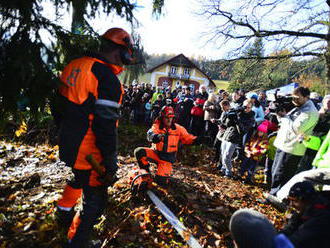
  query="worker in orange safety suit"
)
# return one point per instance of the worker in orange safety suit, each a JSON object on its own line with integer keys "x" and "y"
{"x": 165, "y": 136}
{"x": 90, "y": 95}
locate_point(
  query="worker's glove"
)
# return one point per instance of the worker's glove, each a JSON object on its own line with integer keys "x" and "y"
{"x": 158, "y": 138}
{"x": 110, "y": 164}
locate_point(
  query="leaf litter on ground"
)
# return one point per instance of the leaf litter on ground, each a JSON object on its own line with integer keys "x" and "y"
{"x": 32, "y": 179}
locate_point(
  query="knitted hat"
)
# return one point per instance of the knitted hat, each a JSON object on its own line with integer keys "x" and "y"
{"x": 302, "y": 190}
{"x": 263, "y": 127}
{"x": 271, "y": 126}
{"x": 251, "y": 229}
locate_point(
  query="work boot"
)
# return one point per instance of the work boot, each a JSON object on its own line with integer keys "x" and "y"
{"x": 64, "y": 219}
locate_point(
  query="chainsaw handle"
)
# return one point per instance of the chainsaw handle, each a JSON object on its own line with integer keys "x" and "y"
{"x": 138, "y": 176}
{"x": 95, "y": 165}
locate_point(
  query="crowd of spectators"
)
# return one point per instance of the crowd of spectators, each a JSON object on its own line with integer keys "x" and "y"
{"x": 284, "y": 136}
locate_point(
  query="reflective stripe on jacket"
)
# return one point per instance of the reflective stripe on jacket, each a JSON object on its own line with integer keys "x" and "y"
{"x": 92, "y": 94}
{"x": 172, "y": 137}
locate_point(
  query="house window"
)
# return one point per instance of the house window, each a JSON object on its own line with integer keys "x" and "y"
{"x": 174, "y": 70}
{"x": 186, "y": 71}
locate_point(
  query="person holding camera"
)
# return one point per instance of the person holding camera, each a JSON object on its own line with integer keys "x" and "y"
{"x": 301, "y": 120}
{"x": 237, "y": 122}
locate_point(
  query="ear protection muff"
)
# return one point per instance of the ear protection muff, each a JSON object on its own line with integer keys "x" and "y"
{"x": 126, "y": 57}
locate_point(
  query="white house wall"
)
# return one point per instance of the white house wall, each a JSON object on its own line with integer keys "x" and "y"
{"x": 165, "y": 74}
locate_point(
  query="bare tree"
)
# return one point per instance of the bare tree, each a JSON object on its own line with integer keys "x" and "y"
{"x": 301, "y": 26}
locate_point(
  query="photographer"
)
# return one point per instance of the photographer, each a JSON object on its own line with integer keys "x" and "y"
{"x": 237, "y": 122}
{"x": 299, "y": 121}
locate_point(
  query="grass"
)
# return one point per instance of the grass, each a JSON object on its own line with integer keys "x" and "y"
{"x": 221, "y": 84}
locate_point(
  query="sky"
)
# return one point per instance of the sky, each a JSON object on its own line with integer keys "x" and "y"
{"x": 177, "y": 30}
{"x": 180, "y": 30}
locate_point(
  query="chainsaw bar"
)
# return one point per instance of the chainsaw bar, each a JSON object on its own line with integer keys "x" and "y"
{"x": 174, "y": 221}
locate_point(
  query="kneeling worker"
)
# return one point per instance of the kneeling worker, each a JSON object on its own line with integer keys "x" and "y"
{"x": 165, "y": 136}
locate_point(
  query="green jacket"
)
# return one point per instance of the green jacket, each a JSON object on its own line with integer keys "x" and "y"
{"x": 319, "y": 132}
{"x": 322, "y": 158}
{"x": 154, "y": 96}
{"x": 314, "y": 142}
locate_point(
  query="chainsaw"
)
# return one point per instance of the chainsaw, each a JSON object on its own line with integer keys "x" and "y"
{"x": 142, "y": 177}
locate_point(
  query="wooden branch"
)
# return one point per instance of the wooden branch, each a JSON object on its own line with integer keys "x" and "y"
{"x": 278, "y": 56}
{"x": 262, "y": 33}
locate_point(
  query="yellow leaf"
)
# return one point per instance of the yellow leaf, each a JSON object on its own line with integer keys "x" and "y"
{"x": 52, "y": 157}
{"x": 186, "y": 235}
{"x": 22, "y": 129}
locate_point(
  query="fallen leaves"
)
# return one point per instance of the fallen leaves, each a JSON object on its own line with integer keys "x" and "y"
{"x": 32, "y": 179}
{"x": 30, "y": 183}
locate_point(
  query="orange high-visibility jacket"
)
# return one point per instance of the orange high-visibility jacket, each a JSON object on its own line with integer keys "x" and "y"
{"x": 92, "y": 94}
{"x": 167, "y": 148}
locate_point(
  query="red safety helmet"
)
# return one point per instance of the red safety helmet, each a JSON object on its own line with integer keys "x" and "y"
{"x": 167, "y": 111}
{"x": 121, "y": 37}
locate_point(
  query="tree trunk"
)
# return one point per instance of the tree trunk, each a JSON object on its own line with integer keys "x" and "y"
{"x": 77, "y": 16}
{"x": 327, "y": 55}
{"x": 327, "y": 61}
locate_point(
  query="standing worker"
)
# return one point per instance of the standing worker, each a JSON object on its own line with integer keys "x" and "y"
{"x": 90, "y": 95}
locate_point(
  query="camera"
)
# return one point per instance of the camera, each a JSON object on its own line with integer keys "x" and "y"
{"x": 281, "y": 103}
{"x": 233, "y": 113}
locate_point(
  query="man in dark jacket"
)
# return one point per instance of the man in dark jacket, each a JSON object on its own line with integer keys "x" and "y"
{"x": 136, "y": 103}
{"x": 184, "y": 107}
{"x": 90, "y": 94}
{"x": 237, "y": 122}
{"x": 310, "y": 226}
